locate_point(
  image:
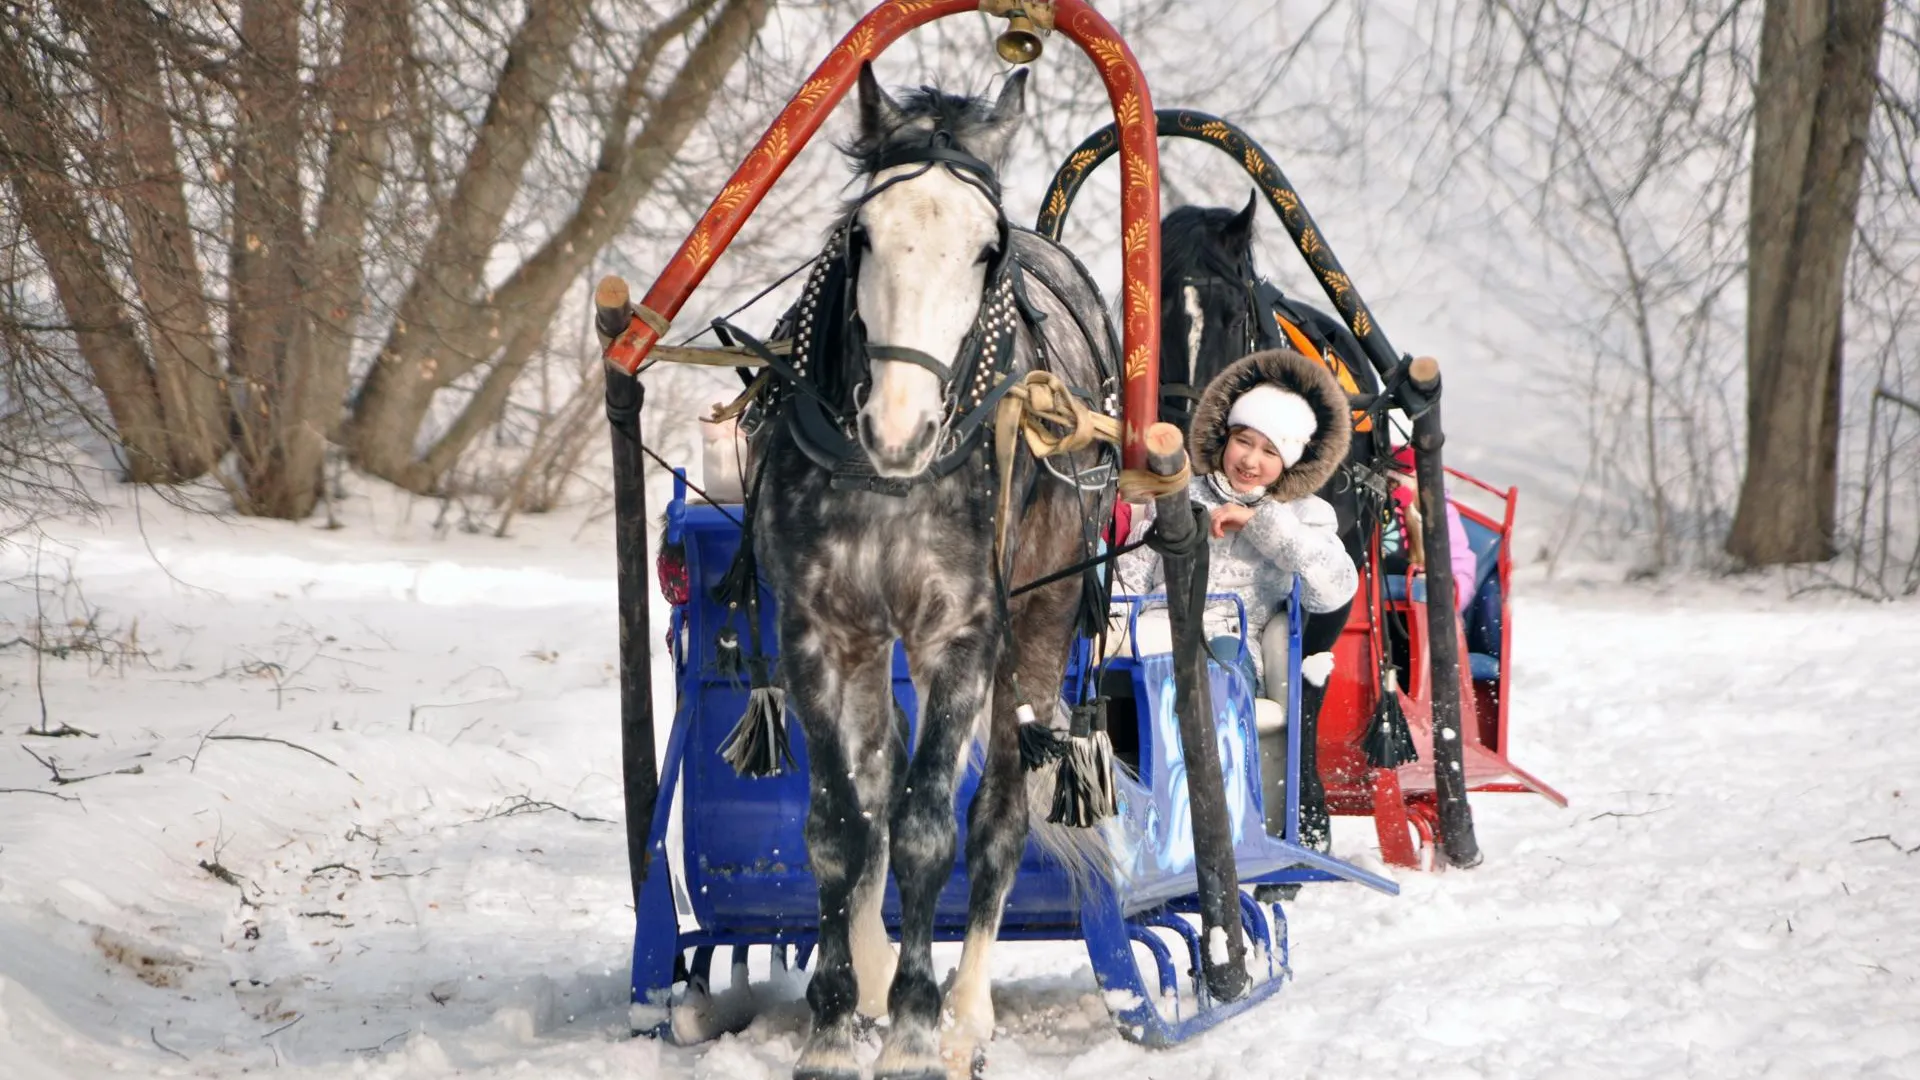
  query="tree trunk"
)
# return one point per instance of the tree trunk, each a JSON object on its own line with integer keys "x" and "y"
{"x": 147, "y": 186}
{"x": 508, "y": 325}
{"x": 172, "y": 427}
{"x": 361, "y": 90}
{"x": 57, "y": 223}
{"x": 1814, "y": 100}
{"x": 121, "y": 129}
{"x": 444, "y": 296}
{"x": 268, "y": 248}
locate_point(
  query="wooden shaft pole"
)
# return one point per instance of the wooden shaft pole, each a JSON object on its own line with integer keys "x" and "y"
{"x": 640, "y": 773}
{"x": 1214, "y": 866}
{"x": 1457, "y": 841}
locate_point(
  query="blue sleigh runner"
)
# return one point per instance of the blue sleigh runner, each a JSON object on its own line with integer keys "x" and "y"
{"x": 739, "y": 876}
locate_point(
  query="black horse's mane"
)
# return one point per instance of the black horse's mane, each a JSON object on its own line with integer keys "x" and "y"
{"x": 1193, "y": 244}
{"x": 1203, "y": 246}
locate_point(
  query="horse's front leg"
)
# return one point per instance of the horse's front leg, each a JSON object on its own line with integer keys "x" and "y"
{"x": 997, "y": 820}
{"x": 955, "y": 679}
{"x": 843, "y": 696}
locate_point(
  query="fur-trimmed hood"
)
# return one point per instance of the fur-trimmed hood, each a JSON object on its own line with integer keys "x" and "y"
{"x": 1287, "y": 369}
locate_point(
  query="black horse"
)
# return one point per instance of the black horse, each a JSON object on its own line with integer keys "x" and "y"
{"x": 873, "y": 518}
{"x": 1214, "y": 309}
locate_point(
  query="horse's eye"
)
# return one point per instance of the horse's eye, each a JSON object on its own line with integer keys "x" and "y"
{"x": 986, "y": 254}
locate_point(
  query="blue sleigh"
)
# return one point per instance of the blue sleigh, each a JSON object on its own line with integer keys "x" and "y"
{"x": 740, "y": 878}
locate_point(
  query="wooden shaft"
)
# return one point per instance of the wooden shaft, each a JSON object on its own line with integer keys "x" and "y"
{"x": 1166, "y": 449}
{"x": 612, "y": 310}
{"x": 1457, "y": 841}
{"x": 710, "y": 356}
{"x": 1214, "y": 866}
{"x": 639, "y": 772}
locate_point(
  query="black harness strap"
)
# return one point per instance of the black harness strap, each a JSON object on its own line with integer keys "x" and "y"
{"x": 907, "y": 355}
{"x": 939, "y": 150}
{"x": 776, "y": 365}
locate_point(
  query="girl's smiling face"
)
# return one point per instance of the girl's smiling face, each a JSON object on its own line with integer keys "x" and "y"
{"x": 1251, "y": 463}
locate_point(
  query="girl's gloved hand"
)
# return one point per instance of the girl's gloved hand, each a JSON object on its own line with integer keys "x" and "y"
{"x": 1231, "y": 517}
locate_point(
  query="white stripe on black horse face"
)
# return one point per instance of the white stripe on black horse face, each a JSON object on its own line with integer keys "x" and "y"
{"x": 930, "y": 241}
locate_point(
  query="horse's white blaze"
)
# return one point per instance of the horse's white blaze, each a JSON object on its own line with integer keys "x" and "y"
{"x": 920, "y": 287}
{"x": 1196, "y": 329}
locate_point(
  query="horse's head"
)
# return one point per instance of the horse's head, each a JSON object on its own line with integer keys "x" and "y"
{"x": 929, "y": 233}
{"x": 1206, "y": 300}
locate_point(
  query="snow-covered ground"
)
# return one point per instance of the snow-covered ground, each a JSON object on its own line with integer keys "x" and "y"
{"x": 425, "y": 876}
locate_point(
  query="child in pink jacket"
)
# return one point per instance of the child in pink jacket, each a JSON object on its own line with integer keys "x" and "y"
{"x": 1394, "y": 546}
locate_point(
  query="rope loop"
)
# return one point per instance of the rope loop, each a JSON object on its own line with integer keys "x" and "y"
{"x": 1042, "y": 410}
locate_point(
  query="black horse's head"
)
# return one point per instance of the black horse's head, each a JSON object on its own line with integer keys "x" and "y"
{"x": 1206, "y": 298}
{"x": 926, "y": 242}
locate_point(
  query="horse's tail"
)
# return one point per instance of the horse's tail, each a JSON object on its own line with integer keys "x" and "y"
{"x": 1084, "y": 854}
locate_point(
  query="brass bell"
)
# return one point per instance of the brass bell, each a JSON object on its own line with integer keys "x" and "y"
{"x": 1019, "y": 43}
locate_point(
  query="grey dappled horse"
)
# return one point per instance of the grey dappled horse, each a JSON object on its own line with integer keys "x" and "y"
{"x": 874, "y": 521}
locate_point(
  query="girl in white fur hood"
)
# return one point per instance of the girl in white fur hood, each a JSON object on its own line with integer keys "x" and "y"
{"x": 1269, "y": 432}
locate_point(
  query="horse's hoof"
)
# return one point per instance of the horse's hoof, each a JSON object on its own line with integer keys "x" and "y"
{"x": 832, "y": 1061}
{"x": 899, "y": 1066}
{"x": 911, "y": 1052}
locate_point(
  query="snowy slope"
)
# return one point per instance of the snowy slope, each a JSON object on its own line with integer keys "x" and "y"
{"x": 446, "y": 894}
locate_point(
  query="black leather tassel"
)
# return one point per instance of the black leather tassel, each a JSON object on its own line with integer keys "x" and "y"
{"x": 1039, "y": 743}
{"x": 1090, "y": 618}
{"x": 758, "y": 745}
{"x": 1083, "y": 793}
{"x": 1389, "y": 742}
{"x": 728, "y": 662}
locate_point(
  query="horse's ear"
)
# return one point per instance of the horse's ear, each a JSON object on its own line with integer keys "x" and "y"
{"x": 1013, "y": 97}
{"x": 1239, "y": 229}
{"x": 879, "y": 113}
{"x": 1004, "y": 120}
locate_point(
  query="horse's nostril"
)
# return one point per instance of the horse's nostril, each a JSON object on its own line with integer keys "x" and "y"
{"x": 866, "y": 429}
{"x": 927, "y": 431}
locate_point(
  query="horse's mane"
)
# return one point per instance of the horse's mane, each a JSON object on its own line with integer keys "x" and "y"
{"x": 1192, "y": 244}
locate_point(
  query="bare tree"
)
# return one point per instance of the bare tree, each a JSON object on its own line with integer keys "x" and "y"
{"x": 155, "y": 373}
{"x": 225, "y": 199}
{"x": 1880, "y": 460}
{"x": 445, "y": 328}
{"x": 1814, "y": 100}
{"x": 247, "y": 235}
{"x": 1608, "y": 156}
